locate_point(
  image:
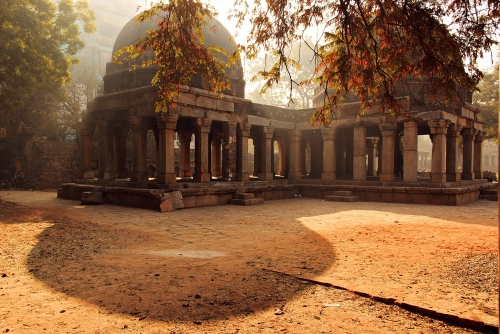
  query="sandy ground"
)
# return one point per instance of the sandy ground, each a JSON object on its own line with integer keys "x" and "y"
{"x": 67, "y": 268}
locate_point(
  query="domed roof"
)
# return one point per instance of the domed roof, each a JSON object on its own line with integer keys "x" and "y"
{"x": 217, "y": 36}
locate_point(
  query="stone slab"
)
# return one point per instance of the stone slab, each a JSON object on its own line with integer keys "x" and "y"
{"x": 246, "y": 202}
{"x": 166, "y": 205}
{"x": 342, "y": 193}
{"x": 244, "y": 196}
{"x": 175, "y": 197}
{"x": 334, "y": 198}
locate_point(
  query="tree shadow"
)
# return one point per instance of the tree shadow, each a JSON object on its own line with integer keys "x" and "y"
{"x": 193, "y": 265}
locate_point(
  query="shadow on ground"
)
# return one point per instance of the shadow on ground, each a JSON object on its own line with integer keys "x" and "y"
{"x": 194, "y": 265}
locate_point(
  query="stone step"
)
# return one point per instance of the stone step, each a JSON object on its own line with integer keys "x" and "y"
{"x": 489, "y": 197}
{"x": 245, "y": 202}
{"x": 244, "y": 196}
{"x": 343, "y": 193}
{"x": 92, "y": 198}
{"x": 489, "y": 192}
{"x": 335, "y": 198}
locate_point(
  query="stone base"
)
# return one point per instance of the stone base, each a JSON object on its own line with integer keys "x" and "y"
{"x": 468, "y": 176}
{"x": 92, "y": 198}
{"x": 334, "y": 198}
{"x": 328, "y": 176}
{"x": 139, "y": 177}
{"x": 246, "y": 202}
{"x": 266, "y": 176}
{"x": 438, "y": 178}
{"x": 387, "y": 177}
{"x": 106, "y": 176}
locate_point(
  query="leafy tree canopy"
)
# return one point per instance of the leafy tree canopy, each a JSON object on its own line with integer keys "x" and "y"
{"x": 179, "y": 49}
{"x": 487, "y": 100}
{"x": 370, "y": 46}
{"x": 37, "y": 42}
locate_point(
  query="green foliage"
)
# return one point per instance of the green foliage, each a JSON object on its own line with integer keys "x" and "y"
{"x": 370, "y": 47}
{"x": 179, "y": 49}
{"x": 37, "y": 42}
{"x": 487, "y": 100}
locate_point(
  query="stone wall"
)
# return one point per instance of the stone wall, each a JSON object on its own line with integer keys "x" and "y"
{"x": 50, "y": 164}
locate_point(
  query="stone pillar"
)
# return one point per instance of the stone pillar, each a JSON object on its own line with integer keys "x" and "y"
{"x": 410, "y": 154}
{"x": 106, "y": 133}
{"x": 242, "y": 174}
{"x": 379, "y": 156}
{"x": 468, "y": 136}
{"x": 85, "y": 133}
{"x": 256, "y": 157}
{"x": 216, "y": 156}
{"x": 266, "y": 152}
{"x": 229, "y": 151}
{"x": 120, "y": 154}
{"x": 478, "y": 154}
{"x": 139, "y": 149}
{"x": 282, "y": 154}
{"x": 388, "y": 146}
{"x": 359, "y": 154}
{"x": 201, "y": 170}
{"x": 166, "y": 155}
{"x": 372, "y": 152}
{"x": 328, "y": 136}
{"x": 438, "y": 167}
{"x": 452, "y": 136}
{"x": 294, "y": 138}
{"x": 185, "y": 154}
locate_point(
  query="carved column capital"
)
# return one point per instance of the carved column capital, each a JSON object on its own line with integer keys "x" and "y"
{"x": 469, "y": 134}
{"x": 167, "y": 121}
{"x": 388, "y": 129}
{"x": 294, "y": 135}
{"x": 328, "y": 133}
{"x": 438, "y": 126}
{"x": 202, "y": 124}
{"x": 245, "y": 129}
{"x": 454, "y": 130}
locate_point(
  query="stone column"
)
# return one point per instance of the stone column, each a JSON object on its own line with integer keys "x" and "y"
{"x": 139, "y": 149}
{"x": 410, "y": 154}
{"x": 266, "y": 152}
{"x": 388, "y": 146}
{"x": 468, "y": 136}
{"x": 294, "y": 138}
{"x": 372, "y": 152}
{"x": 359, "y": 154}
{"x": 120, "y": 155}
{"x": 282, "y": 154}
{"x": 478, "y": 161}
{"x": 242, "y": 174}
{"x": 85, "y": 133}
{"x": 185, "y": 154}
{"x": 303, "y": 146}
{"x": 216, "y": 156}
{"x": 328, "y": 136}
{"x": 106, "y": 132}
{"x": 379, "y": 156}
{"x": 256, "y": 157}
{"x": 166, "y": 155}
{"x": 438, "y": 167}
{"x": 201, "y": 171}
{"x": 229, "y": 151}
{"x": 452, "y": 136}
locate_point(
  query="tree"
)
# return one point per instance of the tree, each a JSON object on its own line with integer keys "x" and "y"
{"x": 37, "y": 42}
{"x": 288, "y": 91}
{"x": 179, "y": 51}
{"x": 487, "y": 100}
{"x": 371, "y": 46}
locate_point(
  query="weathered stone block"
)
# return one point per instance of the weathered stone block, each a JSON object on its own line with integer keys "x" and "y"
{"x": 166, "y": 205}
{"x": 244, "y": 196}
{"x": 342, "y": 193}
{"x": 334, "y": 198}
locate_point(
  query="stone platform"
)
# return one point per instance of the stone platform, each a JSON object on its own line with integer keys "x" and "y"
{"x": 148, "y": 195}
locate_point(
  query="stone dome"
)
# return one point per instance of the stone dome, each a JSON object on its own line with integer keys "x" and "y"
{"x": 133, "y": 31}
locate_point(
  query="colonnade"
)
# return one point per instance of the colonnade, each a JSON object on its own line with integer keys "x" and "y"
{"x": 221, "y": 150}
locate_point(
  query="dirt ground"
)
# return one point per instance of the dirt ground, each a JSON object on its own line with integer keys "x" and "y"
{"x": 67, "y": 268}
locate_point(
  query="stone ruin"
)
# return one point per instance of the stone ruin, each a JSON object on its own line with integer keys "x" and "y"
{"x": 353, "y": 159}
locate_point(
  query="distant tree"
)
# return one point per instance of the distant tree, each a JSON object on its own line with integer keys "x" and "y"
{"x": 37, "y": 43}
{"x": 487, "y": 100}
{"x": 292, "y": 90}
